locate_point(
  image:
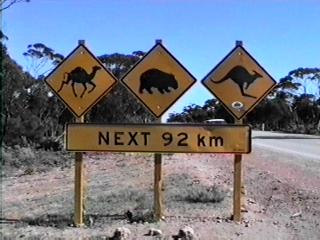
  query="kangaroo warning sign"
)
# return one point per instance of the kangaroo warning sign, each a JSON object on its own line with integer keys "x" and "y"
{"x": 239, "y": 82}
{"x": 191, "y": 138}
{"x": 80, "y": 81}
{"x": 158, "y": 80}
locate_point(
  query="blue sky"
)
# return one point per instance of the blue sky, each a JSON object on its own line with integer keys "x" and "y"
{"x": 282, "y": 35}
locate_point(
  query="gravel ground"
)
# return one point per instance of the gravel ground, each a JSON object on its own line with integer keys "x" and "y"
{"x": 282, "y": 198}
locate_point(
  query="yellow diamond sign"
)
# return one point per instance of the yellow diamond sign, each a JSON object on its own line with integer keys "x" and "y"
{"x": 80, "y": 81}
{"x": 158, "y": 80}
{"x": 239, "y": 82}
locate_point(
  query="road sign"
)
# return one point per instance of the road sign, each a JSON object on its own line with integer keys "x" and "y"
{"x": 191, "y": 138}
{"x": 80, "y": 81}
{"x": 239, "y": 82}
{"x": 158, "y": 80}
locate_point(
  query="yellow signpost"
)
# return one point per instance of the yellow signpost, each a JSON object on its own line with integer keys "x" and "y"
{"x": 158, "y": 80}
{"x": 240, "y": 83}
{"x": 80, "y": 81}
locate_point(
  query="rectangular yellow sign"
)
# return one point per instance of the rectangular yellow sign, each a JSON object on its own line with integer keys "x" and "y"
{"x": 168, "y": 138}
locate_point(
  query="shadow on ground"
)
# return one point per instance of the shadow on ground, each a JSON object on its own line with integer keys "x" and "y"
{"x": 62, "y": 221}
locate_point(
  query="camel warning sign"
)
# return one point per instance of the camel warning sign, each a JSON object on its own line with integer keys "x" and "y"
{"x": 80, "y": 81}
{"x": 239, "y": 82}
{"x": 158, "y": 80}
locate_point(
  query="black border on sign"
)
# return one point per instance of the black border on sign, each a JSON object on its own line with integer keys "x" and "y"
{"x": 136, "y": 95}
{"x": 98, "y": 98}
{"x": 258, "y": 100}
{"x": 162, "y": 125}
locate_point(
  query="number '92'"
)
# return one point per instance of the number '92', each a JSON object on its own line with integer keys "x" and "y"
{"x": 168, "y": 139}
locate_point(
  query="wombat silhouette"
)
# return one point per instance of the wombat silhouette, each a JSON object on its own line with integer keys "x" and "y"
{"x": 155, "y": 78}
{"x": 242, "y": 78}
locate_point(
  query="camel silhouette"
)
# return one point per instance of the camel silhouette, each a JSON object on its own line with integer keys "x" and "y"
{"x": 241, "y": 77}
{"x": 79, "y": 75}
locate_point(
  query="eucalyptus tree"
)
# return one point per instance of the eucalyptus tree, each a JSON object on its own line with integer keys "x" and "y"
{"x": 42, "y": 59}
{"x": 308, "y": 78}
{"x": 14, "y": 84}
{"x": 308, "y": 112}
{"x": 5, "y": 4}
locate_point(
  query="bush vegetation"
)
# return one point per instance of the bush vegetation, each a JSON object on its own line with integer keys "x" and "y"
{"x": 202, "y": 194}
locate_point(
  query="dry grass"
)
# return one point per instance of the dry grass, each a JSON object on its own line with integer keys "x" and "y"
{"x": 31, "y": 161}
{"x": 183, "y": 187}
{"x": 202, "y": 194}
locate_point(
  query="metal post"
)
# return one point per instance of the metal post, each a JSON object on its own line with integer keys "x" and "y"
{"x": 158, "y": 41}
{"x": 81, "y": 42}
{"x": 239, "y": 43}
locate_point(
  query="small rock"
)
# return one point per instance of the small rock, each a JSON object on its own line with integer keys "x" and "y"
{"x": 246, "y": 223}
{"x": 275, "y": 222}
{"x": 90, "y": 221}
{"x": 186, "y": 233}
{"x": 154, "y": 232}
{"x": 243, "y": 209}
{"x": 121, "y": 233}
{"x": 298, "y": 214}
{"x": 129, "y": 215}
{"x": 219, "y": 221}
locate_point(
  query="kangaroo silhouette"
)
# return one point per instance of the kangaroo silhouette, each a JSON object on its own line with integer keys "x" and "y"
{"x": 79, "y": 75}
{"x": 242, "y": 78}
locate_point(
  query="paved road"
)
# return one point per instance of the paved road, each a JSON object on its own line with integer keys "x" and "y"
{"x": 306, "y": 146}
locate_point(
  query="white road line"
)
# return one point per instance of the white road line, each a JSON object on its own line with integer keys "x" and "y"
{"x": 310, "y": 155}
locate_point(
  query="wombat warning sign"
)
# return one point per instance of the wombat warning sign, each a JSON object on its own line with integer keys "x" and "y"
{"x": 158, "y": 80}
